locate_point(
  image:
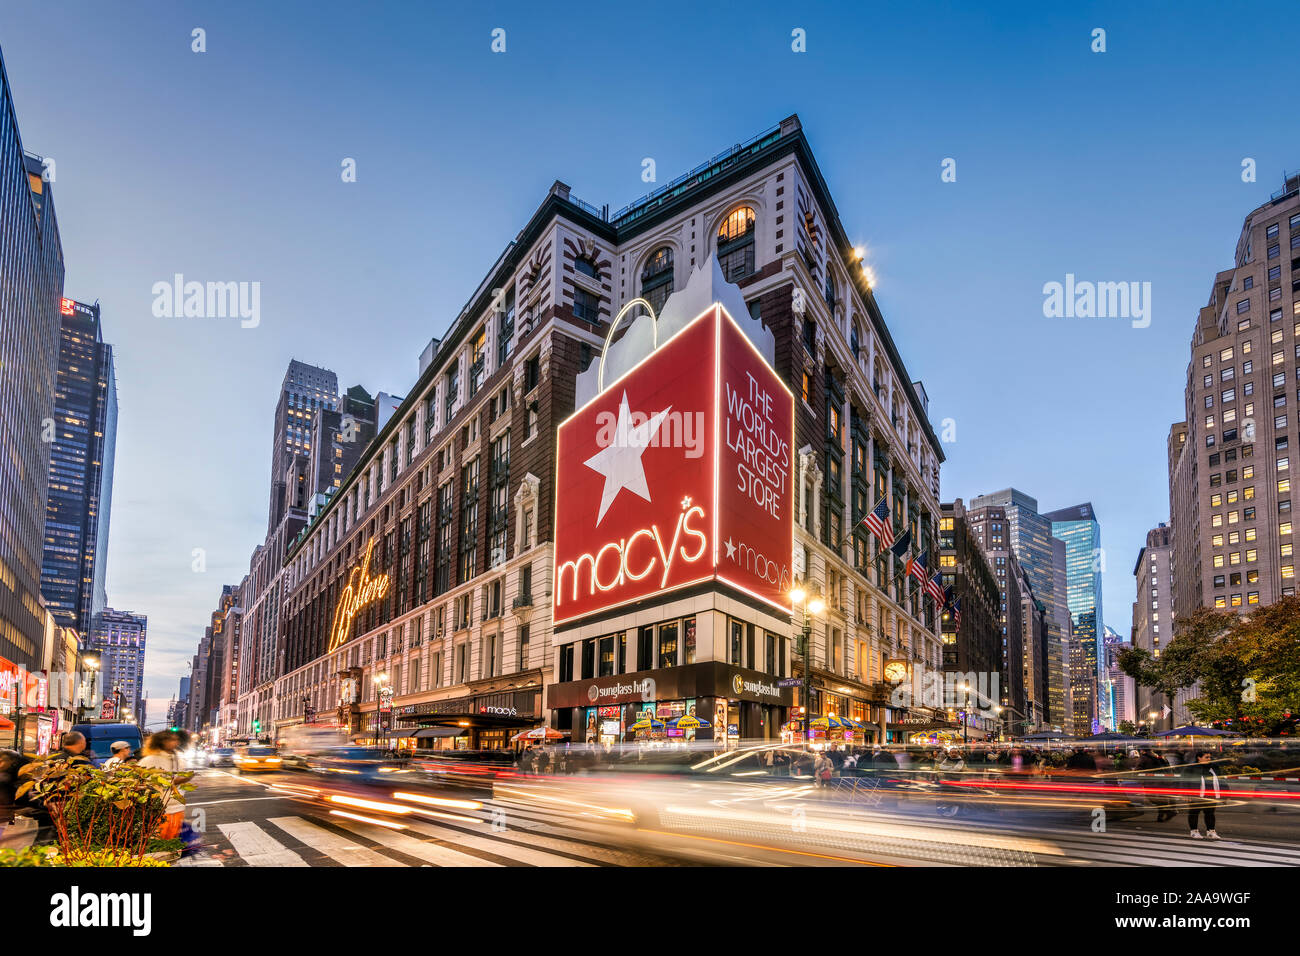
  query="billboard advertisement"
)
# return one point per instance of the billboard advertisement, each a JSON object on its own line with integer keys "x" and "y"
{"x": 677, "y": 473}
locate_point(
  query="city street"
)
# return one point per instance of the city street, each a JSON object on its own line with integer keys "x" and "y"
{"x": 247, "y": 823}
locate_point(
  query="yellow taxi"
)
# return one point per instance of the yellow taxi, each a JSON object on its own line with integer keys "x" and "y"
{"x": 256, "y": 758}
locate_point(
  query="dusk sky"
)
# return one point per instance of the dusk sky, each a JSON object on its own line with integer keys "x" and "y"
{"x": 225, "y": 166}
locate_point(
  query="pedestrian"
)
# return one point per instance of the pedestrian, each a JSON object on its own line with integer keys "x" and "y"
{"x": 953, "y": 762}
{"x": 10, "y": 763}
{"x": 72, "y": 750}
{"x": 1203, "y": 772}
{"x": 822, "y": 769}
{"x": 121, "y": 754}
{"x": 1147, "y": 764}
{"x": 159, "y": 753}
{"x": 882, "y": 759}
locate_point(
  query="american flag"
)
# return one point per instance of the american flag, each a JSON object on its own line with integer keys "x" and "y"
{"x": 935, "y": 588}
{"x": 877, "y": 522}
{"x": 947, "y": 595}
{"x": 916, "y": 566}
{"x": 956, "y": 615}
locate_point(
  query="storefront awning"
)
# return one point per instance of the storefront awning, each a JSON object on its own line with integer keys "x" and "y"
{"x": 425, "y": 733}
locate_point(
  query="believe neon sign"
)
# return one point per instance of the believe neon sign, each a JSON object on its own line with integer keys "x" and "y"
{"x": 361, "y": 589}
{"x": 639, "y": 512}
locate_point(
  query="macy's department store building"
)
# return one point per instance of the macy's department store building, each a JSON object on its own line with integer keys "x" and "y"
{"x": 673, "y": 536}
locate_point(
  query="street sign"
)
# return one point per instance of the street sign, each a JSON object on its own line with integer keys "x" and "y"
{"x": 789, "y": 682}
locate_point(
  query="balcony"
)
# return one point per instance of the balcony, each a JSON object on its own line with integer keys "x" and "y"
{"x": 522, "y": 607}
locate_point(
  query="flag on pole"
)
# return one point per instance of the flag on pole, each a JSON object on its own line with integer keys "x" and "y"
{"x": 956, "y": 615}
{"x": 901, "y": 546}
{"x": 947, "y": 595}
{"x": 934, "y": 587}
{"x": 916, "y": 566}
{"x": 877, "y": 522}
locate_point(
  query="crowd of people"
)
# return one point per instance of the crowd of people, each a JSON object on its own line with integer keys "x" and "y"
{"x": 160, "y": 751}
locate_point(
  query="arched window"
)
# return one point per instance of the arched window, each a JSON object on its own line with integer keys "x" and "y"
{"x": 736, "y": 244}
{"x": 657, "y": 278}
{"x": 586, "y": 266}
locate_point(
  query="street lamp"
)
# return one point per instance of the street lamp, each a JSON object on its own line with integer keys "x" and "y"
{"x": 998, "y": 710}
{"x": 811, "y": 607}
{"x": 91, "y": 661}
{"x": 380, "y": 681}
{"x": 965, "y": 713}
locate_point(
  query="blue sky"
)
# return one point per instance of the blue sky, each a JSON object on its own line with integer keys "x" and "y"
{"x": 224, "y": 165}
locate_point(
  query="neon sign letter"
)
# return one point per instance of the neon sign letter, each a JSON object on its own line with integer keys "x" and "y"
{"x": 360, "y": 591}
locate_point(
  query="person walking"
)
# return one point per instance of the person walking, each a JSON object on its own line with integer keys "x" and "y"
{"x": 822, "y": 770}
{"x": 72, "y": 750}
{"x": 1204, "y": 772}
{"x": 121, "y": 754}
{"x": 159, "y": 753}
{"x": 1147, "y": 765}
{"x": 953, "y": 762}
{"x": 10, "y": 762}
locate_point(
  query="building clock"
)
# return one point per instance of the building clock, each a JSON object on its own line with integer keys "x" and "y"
{"x": 896, "y": 671}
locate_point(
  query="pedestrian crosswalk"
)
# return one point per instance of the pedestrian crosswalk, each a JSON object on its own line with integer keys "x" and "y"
{"x": 531, "y": 833}
{"x": 523, "y": 833}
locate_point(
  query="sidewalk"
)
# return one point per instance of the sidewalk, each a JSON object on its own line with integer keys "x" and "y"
{"x": 19, "y": 834}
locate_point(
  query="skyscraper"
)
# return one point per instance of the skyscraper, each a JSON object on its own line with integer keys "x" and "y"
{"x": 1230, "y": 500}
{"x": 119, "y": 637}
{"x": 1029, "y": 535}
{"x": 990, "y": 526}
{"x": 31, "y": 286}
{"x": 305, "y": 390}
{"x": 81, "y": 470}
{"x": 319, "y": 437}
{"x": 1153, "y": 617}
{"x": 1078, "y": 527}
{"x": 1122, "y": 687}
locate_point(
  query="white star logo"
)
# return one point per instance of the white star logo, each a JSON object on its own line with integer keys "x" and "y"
{"x": 620, "y": 463}
{"x": 731, "y": 550}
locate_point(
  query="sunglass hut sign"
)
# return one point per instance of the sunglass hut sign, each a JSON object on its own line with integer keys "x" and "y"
{"x": 642, "y": 510}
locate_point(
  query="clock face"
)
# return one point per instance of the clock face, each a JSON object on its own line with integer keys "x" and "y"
{"x": 896, "y": 671}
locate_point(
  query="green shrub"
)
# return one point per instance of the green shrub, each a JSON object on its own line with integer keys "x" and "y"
{"x": 116, "y": 810}
{"x": 49, "y": 855}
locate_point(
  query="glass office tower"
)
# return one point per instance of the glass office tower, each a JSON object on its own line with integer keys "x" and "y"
{"x": 1079, "y": 529}
{"x": 81, "y": 470}
{"x": 31, "y": 285}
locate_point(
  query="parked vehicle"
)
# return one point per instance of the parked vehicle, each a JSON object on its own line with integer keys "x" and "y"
{"x": 102, "y": 734}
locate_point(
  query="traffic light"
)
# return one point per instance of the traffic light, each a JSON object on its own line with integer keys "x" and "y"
{"x": 174, "y": 728}
{"x": 257, "y": 726}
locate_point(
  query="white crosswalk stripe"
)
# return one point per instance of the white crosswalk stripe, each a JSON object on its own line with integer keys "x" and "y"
{"x": 257, "y": 847}
{"x": 336, "y": 847}
{"x": 433, "y": 853}
{"x": 1152, "y": 848}
{"x": 497, "y": 846}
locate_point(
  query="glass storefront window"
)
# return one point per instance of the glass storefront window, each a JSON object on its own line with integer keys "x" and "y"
{"x": 689, "y": 628}
{"x": 668, "y": 645}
